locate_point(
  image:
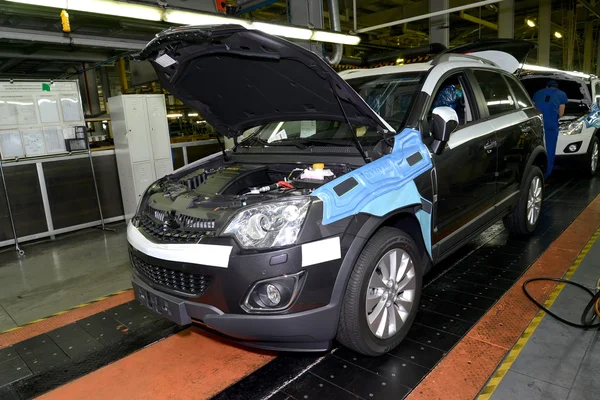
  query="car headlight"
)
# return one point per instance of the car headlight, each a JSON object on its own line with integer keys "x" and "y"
{"x": 573, "y": 128}
{"x": 269, "y": 225}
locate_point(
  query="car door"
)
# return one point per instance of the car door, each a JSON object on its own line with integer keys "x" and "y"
{"x": 507, "y": 108}
{"x": 465, "y": 170}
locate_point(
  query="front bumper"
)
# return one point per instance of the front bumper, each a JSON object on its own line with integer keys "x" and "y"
{"x": 310, "y": 324}
{"x": 311, "y": 330}
{"x": 580, "y": 142}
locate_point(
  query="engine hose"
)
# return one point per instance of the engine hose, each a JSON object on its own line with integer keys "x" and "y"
{"x": 586, "y": 323}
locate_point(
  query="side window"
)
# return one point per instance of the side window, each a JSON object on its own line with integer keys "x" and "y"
{"x": 453, "y": 93}
{"x": 523, "y": 100}
{"x": 597, "y": 93}
{"x": 495, "y": 92}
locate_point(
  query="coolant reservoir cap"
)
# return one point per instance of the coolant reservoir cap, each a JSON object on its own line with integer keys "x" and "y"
{"x": 318, "y": 166}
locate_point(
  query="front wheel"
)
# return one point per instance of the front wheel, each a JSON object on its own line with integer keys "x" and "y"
{"x": 524, "y": 218}
{"x": 382, "y": 297}
{"x": 591, "y": 163}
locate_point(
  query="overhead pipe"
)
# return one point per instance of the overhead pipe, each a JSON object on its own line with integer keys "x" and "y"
{"x": 334, "y": 20}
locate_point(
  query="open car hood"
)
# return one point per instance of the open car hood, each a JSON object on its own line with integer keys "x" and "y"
{"x": 239, "y": 78}
{"x": 517, "y": 48}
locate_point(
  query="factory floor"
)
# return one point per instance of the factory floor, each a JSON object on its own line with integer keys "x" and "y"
{"x": 55, "y": 275}
{"x": 476, "y": 335}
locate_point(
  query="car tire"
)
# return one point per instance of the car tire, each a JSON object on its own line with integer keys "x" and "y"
{"x": 525, "y": 216}
{"x": 373, "y": 334}
{"x": 591, "y": 158}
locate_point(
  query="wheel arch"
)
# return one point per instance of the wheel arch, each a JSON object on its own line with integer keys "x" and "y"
{"x": 539, "y": 158}
{"x": 403, "y": 218}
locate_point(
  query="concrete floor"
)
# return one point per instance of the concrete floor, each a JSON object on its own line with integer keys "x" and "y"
{"x": 59, "y": 274}
{"x": 559, "y": 362}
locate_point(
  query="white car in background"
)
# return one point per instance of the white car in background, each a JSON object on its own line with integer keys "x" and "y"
{"x": 578, "y": 143}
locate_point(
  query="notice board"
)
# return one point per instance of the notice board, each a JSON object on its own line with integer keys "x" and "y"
{"x": 37, "y": 116}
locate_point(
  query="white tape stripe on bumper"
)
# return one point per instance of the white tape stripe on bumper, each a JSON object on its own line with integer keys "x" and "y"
{"x": 205, "y": 254}
{"x": 321, "y": 251}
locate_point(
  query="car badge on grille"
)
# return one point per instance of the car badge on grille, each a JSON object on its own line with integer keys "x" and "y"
{"x": 170, "y": 223}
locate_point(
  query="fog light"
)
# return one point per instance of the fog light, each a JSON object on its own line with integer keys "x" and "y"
{"x": 572, "y": 148}
{"x": 273, "y": 294}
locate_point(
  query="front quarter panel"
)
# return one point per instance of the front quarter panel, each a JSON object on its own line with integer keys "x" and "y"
{"x": 382, "y": 186}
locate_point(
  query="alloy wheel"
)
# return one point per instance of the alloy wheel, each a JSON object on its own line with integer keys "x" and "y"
{"x": 534, "y": 201}
{"x": 391, "y": 293}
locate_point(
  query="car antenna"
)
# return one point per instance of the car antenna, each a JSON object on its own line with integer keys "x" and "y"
{"x": 354, "y": 136}
{"x": 222, "y": 148}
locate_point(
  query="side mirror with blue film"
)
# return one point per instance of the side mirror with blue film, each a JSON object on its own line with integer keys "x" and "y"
{"x": 444, "y": 121}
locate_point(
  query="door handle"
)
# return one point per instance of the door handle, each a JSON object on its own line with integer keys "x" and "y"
{"x": 490, "y": 145}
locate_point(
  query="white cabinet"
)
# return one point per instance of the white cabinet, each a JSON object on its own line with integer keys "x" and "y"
{"x": 142, "y": 144}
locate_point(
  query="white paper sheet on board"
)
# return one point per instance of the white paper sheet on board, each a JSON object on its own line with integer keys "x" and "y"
{"x": 48, "y": 109}
{"x": 33, "y": 142}
{"x": 26, "y": 111}
{"x": 8, "y": 113}
{"x": 71, "y": 108}
{"x": 10, "y": 144}
{"x": 55, "y": 142}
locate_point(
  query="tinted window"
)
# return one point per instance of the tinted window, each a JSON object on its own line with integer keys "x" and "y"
{"x": 597, "y": 93}
{"x": 522, "y": 97}
{"x": 452, "y": 93}
{"x": 495, "y": 91}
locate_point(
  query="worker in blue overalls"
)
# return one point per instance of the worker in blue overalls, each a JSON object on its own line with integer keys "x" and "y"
{"x": 551, "y": 102}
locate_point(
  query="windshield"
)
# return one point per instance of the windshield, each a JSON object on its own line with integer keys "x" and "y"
{"x": 389, "y": 95}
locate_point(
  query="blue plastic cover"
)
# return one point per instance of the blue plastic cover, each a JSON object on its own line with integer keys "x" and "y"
{"x": 593, "y": 118}
{"x": 384, "y": 185}
{"x": 446, "y": 97}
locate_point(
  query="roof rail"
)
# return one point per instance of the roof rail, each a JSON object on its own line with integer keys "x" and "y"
{"x": 449, "y": 56}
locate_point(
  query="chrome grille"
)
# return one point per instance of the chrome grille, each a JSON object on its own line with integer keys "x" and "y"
{"x": 184, "y": 282}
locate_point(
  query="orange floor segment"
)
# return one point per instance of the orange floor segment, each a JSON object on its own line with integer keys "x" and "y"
{"x": 189, "y": 365}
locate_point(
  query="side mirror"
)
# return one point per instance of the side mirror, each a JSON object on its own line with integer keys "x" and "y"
{"x": 444, "y": 121}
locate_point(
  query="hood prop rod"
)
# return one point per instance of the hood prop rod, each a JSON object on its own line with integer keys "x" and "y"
{"x": 222, "y": 146}
{"x": 354, "y": 136}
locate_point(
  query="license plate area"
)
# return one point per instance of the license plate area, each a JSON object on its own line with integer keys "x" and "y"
{"x": 172, "y": 310}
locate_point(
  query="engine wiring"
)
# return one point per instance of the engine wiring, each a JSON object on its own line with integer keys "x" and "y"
{"x": 587, "y": 317}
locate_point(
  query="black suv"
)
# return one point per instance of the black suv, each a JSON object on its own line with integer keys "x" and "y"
{"x": 340, "y": 193}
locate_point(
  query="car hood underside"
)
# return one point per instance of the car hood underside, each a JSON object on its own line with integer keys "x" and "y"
{"x": 239, "y": 78}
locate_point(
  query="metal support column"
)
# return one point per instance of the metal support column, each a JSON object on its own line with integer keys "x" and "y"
{"x": 506, "y": 19}
{"x": 439, "y": 26}
{"x": 588, "y": 46}
{"x": 570, "y": 40}
{"x": 544, "y": 32}
{"x": 105, "y": 85}
{"x": 307, "y": 13}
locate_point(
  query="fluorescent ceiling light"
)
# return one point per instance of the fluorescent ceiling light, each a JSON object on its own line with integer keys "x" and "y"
{"x": 287, "y": 31}
{"x": 174, "y": 115}
{"x": 530, "y": 23}
{"x": 106, "y": 7}
{"x": 192, "y": 18}
{"x": 192, "y": 114}
{"x": 179, "y": 17}
{"x": 334, "y": 37}
{"x": 557, "y": 34}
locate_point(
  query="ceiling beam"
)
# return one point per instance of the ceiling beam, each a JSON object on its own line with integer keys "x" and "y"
{"x": 8, "y": 64}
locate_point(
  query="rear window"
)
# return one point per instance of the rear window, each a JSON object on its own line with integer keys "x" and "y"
{"x": 522, "y": 97}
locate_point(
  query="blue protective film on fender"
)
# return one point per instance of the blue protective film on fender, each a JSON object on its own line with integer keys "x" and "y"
{"x": 381, "y": 186}
{"x": 593, "y": 118}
